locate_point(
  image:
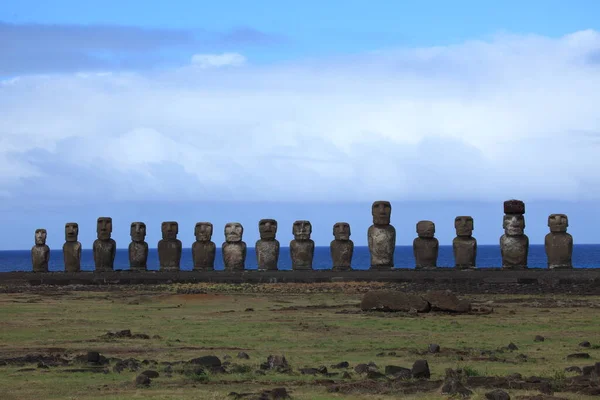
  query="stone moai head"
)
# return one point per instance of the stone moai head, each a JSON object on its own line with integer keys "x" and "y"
{"x": 71, "y": 231}
{"x": 302, "y": 230}
{"x": 267, "y": 228}
{"x": 104, "y": 228}
{"x": 341, "y": 231}
{"x": 203, "y": 231}
{"x": 514, "y": 207}
{"x": 463, "y": 225}
{"x": 558, "y": 222}
{"x": 425, "y": 229}
{"x": 234, "y": 232}
{"x": 514, "y": 224}
{"x": 40, "y": 237}
{"x": 381, "y": 211}
{"x": 138, "y": 231}
{"x": 169, "y": 230}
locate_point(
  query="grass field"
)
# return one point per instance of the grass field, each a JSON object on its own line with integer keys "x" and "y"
{"x": 311, "y": 325}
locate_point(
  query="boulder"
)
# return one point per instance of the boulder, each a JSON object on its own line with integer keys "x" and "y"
{"x": 392, "y": 300}
{"x": 142, "y": 380}
{"x": 207, "y": 361}
{"x": 497, "y": 395}
{"x": 420, "y": 370}
{"x": 445, "y": 300}
{"x": 394, "y": 370}
{"x": 278, "y": 363}
{"x": 151, "y": 374}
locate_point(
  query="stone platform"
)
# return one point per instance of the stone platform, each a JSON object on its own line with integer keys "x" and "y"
{"x": 487, "y": 280}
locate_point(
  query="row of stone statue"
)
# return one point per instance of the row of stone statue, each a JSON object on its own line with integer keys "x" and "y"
{"x": 514, "y": 244}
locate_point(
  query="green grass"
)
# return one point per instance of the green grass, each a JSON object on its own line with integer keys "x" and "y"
{"x": 193, "y": 325}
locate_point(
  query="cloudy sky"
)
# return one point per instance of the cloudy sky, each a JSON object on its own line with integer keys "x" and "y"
{"x": 241, "y": 110}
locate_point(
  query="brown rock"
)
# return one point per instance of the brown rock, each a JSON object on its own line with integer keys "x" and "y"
{"x": 445, "y": 300}
{"x": 390, "y": 300}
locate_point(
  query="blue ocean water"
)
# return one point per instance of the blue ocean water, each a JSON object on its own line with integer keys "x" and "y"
{"x": 584, "y": 256}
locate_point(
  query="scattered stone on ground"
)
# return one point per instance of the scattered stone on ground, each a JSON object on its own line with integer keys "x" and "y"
{"x": 125, "y": 333}
{"x": 243, "y": 356}
{"x": 585, "y": 344}
{"x": 539, "y": 338}
{"x": 512, "y": 347}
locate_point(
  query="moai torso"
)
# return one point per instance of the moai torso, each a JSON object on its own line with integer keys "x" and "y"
{"x": 426, "y": 246}
{"x": 72, "y": 248}
{"x": 104, "y": 247}
{"x": 234, "y": 249}
{"x": 341, "y": 248}
{"x": 558, "y": 243}
{"x": 381, "y": 236}
{"x": 302, "y": 248}
{"x": 203, "y": 249}
{"x": 40, "y": 253}
{"x": 267, "y": 248}
{"x": 514, "y": 244}
{"x": 138, "y": 248}
{"x": 169, "y": 248}
{"x": 464, "y": 244}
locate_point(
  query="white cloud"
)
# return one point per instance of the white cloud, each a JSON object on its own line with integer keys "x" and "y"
{"x": 512, "y": 117}
{"x": 218, "y": 60}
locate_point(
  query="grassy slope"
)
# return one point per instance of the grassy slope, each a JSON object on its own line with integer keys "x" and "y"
{"x": 195, "y": 325}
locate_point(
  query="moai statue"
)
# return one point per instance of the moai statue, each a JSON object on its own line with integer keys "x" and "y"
{"x": 138, "y": 248}
{"x": 302, "y": 248}
{"x": 40, "y": 253}
{"x": 382, "y": 236}
{"x": 464, "y": 244}
{"x": 234, "y": 249}
{"x": 203, "y": 249}
{"x": 425, "y": 246}
{"x": 558, "y": 243}
{"x": 341, "y": 247}
{"x": 72, "y": 248}
{"x": 514, "y": 244}
{"x": 104, "y": 247}
{"x": 169, "y": 247}
{"x": 267, "y": 248}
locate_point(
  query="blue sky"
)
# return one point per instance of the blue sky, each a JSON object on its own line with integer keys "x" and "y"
{"x": 239, "y": 110}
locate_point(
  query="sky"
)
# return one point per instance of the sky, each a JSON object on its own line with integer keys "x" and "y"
{"x": 236, "y": 111}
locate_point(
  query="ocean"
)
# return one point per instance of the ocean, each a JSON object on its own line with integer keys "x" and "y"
{"x": 584, "y": 256}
